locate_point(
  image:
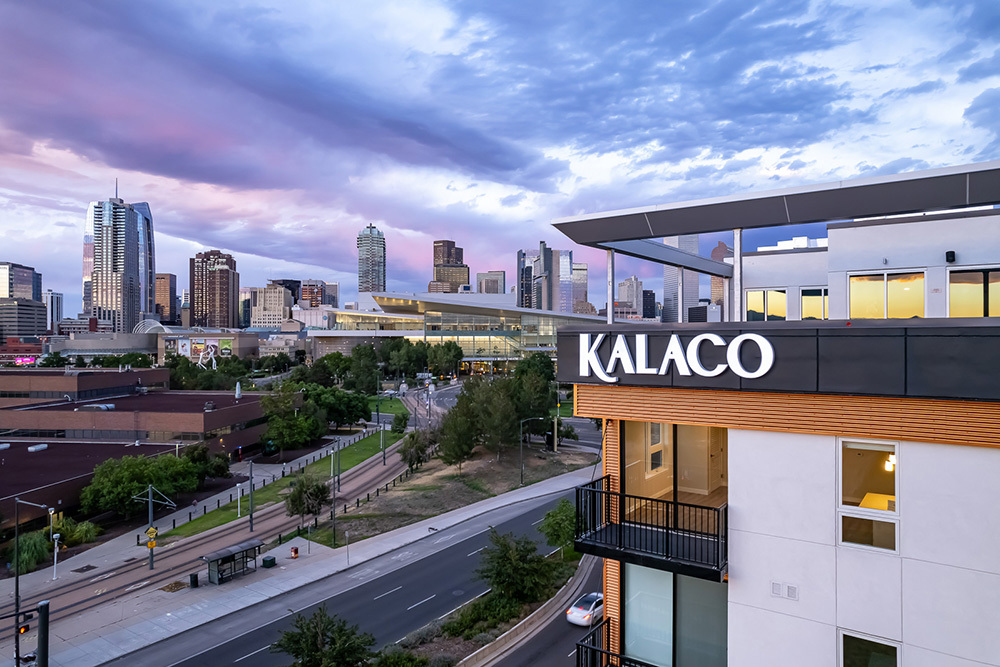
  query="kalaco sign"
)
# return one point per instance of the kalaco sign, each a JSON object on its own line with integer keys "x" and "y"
{"x": 631, "y": 355}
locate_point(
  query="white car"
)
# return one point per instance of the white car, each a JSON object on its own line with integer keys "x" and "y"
{"x": 589, "y": 609}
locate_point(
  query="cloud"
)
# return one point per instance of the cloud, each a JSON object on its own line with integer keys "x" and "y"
{"x": 981, "y": 69}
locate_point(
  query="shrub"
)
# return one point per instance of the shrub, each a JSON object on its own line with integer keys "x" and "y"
{"x": 33, "y": 549}
{"x": 442, "y": 661}
{"x": 85, "y": 532}
{"x": 482, "y": 615}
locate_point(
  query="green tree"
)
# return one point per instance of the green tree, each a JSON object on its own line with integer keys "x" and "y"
{"x": 291, "y": 421}
{"x": 309, "y": 496}
{"x": 413, "y": 451}
{"x": 514, "y": 569}
{"x": 322, "y": 640}
{"x": 498, "y": 417}
{"x": 393, "y": 656}
{"x": 559, "y": 525}
{"x": 53, "y": 360}
{"x": 364, "y": 367}
{"x": 458, "y": 433}
{"x": 206, "y": 463}
{"x": 116, "y": 481}
{"x": 537, "y": 363}
{"x": 399, "y": 422}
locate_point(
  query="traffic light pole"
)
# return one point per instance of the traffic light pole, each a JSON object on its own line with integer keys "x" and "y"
{"x": 251, "y": 496}
{"x": 17, "y": 575}
{"x": 42, "y": 652}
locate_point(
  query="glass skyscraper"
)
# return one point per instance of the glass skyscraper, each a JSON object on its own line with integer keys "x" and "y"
{"x": 371, "y": 260}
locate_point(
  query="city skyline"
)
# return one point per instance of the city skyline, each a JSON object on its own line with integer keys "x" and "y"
{"x": 435, "y": 120}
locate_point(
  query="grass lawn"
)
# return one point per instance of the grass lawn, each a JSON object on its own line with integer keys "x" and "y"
{"x": 350, "y": 456}
{"x": 565, "y": 409}
{"x": 388, "y": 406}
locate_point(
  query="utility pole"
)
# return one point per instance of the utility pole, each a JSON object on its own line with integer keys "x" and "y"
{"x": 42, "y": 652}
{"x": 555, "y": 422}
{"x": 151, "y": 530}
{"x": 251, "y": 496}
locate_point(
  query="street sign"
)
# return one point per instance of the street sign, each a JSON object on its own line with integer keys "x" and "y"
{"x": 151, "y": 544}
{"x": 151, "y": 532}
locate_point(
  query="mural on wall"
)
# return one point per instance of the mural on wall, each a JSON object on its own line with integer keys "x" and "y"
{"x": 226, "y": 347}
{"x": 184, "y": 347}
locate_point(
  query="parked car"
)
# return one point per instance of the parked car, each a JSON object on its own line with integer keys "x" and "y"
{"x": 589, "y": 609}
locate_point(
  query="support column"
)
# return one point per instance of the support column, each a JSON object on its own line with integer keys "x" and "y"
{"x": 611, "y": 286}
{"x": 737, "y": 282}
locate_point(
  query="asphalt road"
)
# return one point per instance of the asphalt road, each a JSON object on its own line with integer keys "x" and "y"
{"x": 389, "y": 597}
{"x": 555, "y": 644}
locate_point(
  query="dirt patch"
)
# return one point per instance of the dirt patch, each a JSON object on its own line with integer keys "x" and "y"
{"x": 175, "y": 586}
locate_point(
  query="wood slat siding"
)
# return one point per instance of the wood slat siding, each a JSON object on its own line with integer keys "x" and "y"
{"x": 973, "y": 423}
{"x": 612, "y": 601}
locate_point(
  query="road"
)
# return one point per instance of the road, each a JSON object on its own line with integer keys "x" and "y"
{"x": 555, "y": 644}
{"x": 389, "y": 596}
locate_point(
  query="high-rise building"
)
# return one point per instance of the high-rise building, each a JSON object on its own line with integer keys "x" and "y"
{"x": 672, "y": 281}
{"x": 166, "y": 298}
{"x": 118, "y": 291}
{"x": 545, "y": 279}
{"x": 331, "y": 295}
{"x": 450, "y": 270}
{"x": 20, "y": 282}
{"x": 630, "y": 292}
{"x": 648, "y": 304}
{"x": 245, "y": 302}
{"x": 313, "y": 292}
{"x": 21, "y": 317}
{"x": 53, "y": 310}
{"x": 270, "y": 306}
{"x": 491, "y": 282}
{"x": 293, "y": 286}
{"x": 215, "y": 287}
{"x": 581, "y": 304}
{"x": 371, "y": 260}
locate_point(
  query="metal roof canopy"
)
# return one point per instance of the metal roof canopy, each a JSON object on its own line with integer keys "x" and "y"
{"x": 249, "y": 545}
{"x": 916, "y": 192}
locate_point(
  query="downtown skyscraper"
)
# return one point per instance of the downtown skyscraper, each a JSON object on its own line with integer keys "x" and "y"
{"x": 215, "y": 288}
{"x": 371, "y": 260}
{"x": 119, "y": 250}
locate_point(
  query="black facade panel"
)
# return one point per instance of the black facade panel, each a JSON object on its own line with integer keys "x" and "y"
{"x": 794, "y": 364}
{"x": 939, "y": 366}
{"x": 869, "y": 362}
{"x": 984, "y": 187}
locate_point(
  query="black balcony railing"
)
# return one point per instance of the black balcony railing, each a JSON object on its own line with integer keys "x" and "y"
{"x": 593, "y": 650}
{"x": 666, "y": 534}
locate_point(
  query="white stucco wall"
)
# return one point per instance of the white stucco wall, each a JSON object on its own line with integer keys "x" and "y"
{"x": 938, "y": 597}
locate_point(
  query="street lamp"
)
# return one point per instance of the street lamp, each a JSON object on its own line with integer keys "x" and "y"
{"x": 55, "y": 555}
{"x": 521, "y": 442}
{"x": 17, "y": 573}
{"x": 52, "y": 511}
{"x": 239, "y": 496}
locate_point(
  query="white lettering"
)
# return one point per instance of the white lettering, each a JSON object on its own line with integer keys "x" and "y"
{"x": 589, "y": 359}
{"x": 621, "y": 353}
{"x": 766, "y": 355}
{"x": 642, "y": 355}
{"x": 675, "y": 354}
{"x": 693, "y": 352}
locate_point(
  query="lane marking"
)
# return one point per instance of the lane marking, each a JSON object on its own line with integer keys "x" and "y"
{"x": 263, "y": 648}
{"x": 136, "y": 586}
{"x": 461, "y": 605}
{"x": 387, "y": 592}
{"x": 421, "y": 602}
{"x": 103, "y": 577}
{"x": 444, "y": 539}
{"x": 475, "y": 552}
{"x": 535, "y": 523}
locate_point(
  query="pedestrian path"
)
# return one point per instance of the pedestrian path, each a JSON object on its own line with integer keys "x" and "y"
{"x": 148, "y": 616}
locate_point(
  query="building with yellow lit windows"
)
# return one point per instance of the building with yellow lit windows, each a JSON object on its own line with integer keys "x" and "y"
{"x": 813, "y": 480}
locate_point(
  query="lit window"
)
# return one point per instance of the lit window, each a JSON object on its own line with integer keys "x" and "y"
{"x": 766, "y": 305}
{"x": 815, "y": 304}
{"x": 887, "y": 295}
{"x": 974, "y": 293}
{"x": 868, "y": 481}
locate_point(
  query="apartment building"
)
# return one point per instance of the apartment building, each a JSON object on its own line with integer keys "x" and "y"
{"x": 812, "y": 481}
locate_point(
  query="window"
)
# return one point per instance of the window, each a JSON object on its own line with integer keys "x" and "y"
{"x": 868, "y": 479}
{"x": 864, "y": 652}
{"x": 766, "y": 305}
{"x": 974, "y": 293}
{"x": 815, "y": 303}
{"x": 887, "y": 295}
{"x": 655, "y": 448}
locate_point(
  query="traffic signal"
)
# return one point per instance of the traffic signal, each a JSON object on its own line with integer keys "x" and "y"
{"x": 24, "y": 626}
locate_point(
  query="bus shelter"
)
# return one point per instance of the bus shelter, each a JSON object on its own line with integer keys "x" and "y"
{"x": 231, "y": 562}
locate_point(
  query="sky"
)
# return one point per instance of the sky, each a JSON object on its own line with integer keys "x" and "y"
{"x": 277, "y": 131}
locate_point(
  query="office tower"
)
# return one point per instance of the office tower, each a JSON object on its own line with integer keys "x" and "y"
{"x": 630, "y": 292}
{"x": 147, "y": 260}
{"x": 270, "y": 306}
{"x": 720, "y": 253}
{"x": 313, "y": 292}
{"x": 331, "y": 295}
{"x": 88, "y": 264}
{"x": 671, "y": 280}
{"x": 450, "y": 271}
{"x": 581, "y": 304}
{"x": 20, "y": 282}
{"x": 245, "y": 302}
{"x": 545, "y": 279}
{"x": 21, "y": 317}
{"x": 215, "y": 287}
{"x": 293, "y": 286}
{"x": 117, "y": 290}
{"x": 371, "y": 260}
{"x": 491, "y": 282}
{"x": 525, "y": 269}
{"x": 648, "y": 304}
{"x": 53, "y": 309}
{"x": 166, "y": 297}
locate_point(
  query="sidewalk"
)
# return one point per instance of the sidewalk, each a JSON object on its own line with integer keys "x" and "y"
{"x": 149, "y": 616}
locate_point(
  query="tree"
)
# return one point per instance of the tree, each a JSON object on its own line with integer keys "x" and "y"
{"x": 559, "y": 525}
{"x": 399, "y": 422}
{"x": 116, "y": 481}
{"x": 537, "y": 363}
{"x": 413, "y": 451}
{"x": 291, "y": 425}
{"x": 54, "y": 360}
{"x": 206, "y": 463}
{"x": 458, "y": 433}
{"x": 514, "y": 569}
{"x": 322, "y": 640}
{"x": 498, "y": 416}
{"x": 364, "y": 366}
{"x": 308, "y": 496}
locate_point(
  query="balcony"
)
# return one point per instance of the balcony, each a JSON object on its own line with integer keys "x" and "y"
{"x": 592, "y": 650}
{"x": 663, "y": 534}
